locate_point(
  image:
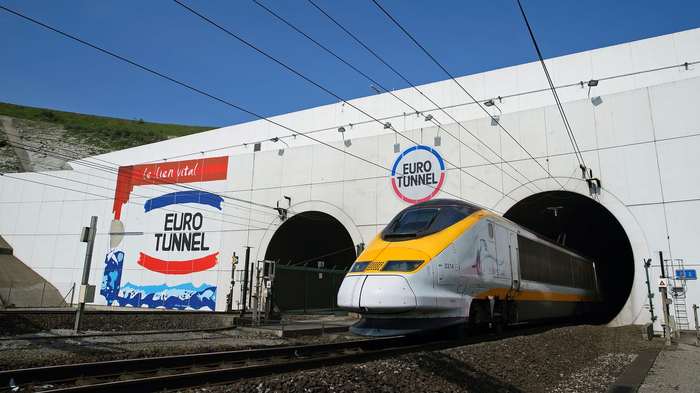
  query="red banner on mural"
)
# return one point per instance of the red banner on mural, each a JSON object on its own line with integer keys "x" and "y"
{"x": 178, "y": 172}
{"x": 178, "y": 267}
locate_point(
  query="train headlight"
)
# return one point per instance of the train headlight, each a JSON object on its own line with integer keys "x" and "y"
{"x": 401, "y": 266}
{"x": 358, "y": 267}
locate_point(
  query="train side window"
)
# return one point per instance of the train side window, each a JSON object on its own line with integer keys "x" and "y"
{"x": 491, "y": 230}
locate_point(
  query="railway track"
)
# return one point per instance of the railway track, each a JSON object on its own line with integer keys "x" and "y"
{"x": 170, "y": 372}
{"x": 182, "y": 371}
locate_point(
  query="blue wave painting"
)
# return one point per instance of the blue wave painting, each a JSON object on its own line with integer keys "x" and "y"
{"x": 178, "y": 297}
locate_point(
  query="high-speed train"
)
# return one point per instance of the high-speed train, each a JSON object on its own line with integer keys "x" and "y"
{"x": 445, "y": 262}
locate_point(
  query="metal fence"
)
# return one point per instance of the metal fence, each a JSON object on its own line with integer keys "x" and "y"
{"x": 305, "y": 289}
{"x": 17, "y": 294}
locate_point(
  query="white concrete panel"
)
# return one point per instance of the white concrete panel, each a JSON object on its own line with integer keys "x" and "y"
{"x": 354, "y": 168}
{"x": 295, "y": 166}
{"x": 298, "y": 194}
{"x": 630, "y": 173}
{"x": 268, "y": 169}
{"x": 240, "y": 172}
{"x": 624, "y": 118}
{"x": 321, "y": 170}
{"x": 682, "y": 221}
{"x": 331, "y": 192}
{"x": 653, "y": 53}
{"x": 358, "y": 200}
{"x": 611, "y": 61}
{"x": 675, "y": 108}
{"x": 679, "y": 162}
{"x": 687, "y": 45}
{"x": 651, "y": 219}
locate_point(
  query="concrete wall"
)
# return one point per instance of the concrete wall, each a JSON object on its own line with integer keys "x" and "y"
{"x": 642, "y": 141}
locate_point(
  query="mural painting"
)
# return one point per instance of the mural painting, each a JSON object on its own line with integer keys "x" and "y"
{"x": 166, "y": 264}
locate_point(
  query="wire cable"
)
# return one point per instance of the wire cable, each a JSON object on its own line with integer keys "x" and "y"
{"x": 378, "y": 84}
{"x": 437, "y": 106}
{"x": 560, "y": 107}
{"x": 213, "y": 97}
{"x": 313, "y": 82}
{"x": 448, "y": 73}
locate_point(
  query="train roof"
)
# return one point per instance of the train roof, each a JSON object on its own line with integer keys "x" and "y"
{"x": 439, "y": 202}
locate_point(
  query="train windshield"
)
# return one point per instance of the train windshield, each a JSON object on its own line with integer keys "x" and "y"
{"x": 418, "y": 221}
{"x": 412, "y": 222}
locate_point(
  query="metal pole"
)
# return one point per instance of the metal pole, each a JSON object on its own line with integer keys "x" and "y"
{"x": 697, "y": 328}
{"x": 663, "y": 268}
{"x": 72, "y": 294}
{"x": 234, "y": 262}
{"x": 244, "y": 296}
{"x": 647, "y": 263}
{"x": 86, "y": 271}
{"x": 664, "y": 302}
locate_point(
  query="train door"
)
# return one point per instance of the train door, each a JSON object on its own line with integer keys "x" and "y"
{"x": 502, "y": 269}
{"x": 514, "y": 261}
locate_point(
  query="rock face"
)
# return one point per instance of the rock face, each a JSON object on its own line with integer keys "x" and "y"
{"x": 21, "y": 286}
{"x": 27, "y": 145}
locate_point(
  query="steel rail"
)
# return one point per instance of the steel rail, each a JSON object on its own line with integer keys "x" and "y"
{"x": 102, "y": 375}
{"x": 183, "y": 371}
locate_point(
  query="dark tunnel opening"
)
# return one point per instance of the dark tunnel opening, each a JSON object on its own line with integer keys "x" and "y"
{"x": 586, "y": 226}
{"x": 298, "y": 245}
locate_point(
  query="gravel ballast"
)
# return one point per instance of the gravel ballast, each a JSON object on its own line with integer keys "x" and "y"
{"x": 570, "y": 359}
{"x": 22, "y": 353}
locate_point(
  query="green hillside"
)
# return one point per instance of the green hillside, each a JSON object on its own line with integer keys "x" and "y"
{"x": 105, "y": 132}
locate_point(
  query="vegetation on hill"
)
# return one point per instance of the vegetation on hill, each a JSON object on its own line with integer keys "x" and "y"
{"x": 106, "y": 132}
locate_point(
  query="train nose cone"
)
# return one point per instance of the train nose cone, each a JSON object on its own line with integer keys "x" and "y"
{"x": 349, "y": 293}
{"x": 384, "y": 293}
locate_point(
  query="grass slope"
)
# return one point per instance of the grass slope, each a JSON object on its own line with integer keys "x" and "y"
{"x": 106, "y": 132}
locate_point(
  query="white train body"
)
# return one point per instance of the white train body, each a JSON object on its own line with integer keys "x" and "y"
{"x": 463, "y": 265}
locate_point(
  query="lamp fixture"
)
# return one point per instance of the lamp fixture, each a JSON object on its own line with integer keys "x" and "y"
{"x": 397, "y": 147}
{"x": 387, "y": 125}
{"x": 341, "y": 129}
{"x": 428, "y": 117}
{"x": 347, "y": 142}
{"x": 438, "y": 140}
{"x": 593, "y": 83}
{"x": 489, "y": 102}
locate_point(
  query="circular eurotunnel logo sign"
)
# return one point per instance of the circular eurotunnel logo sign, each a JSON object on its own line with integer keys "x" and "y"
{"x": 418, "y": 174}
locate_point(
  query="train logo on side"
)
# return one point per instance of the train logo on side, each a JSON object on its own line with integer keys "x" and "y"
{"x": 418, "y": 174}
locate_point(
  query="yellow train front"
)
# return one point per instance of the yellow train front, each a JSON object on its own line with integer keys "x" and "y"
{"x": 445, "y": 262}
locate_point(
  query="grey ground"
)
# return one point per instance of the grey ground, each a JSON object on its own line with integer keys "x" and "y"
{"x": 580, "y": 359}
{"x": 676, "y": 369}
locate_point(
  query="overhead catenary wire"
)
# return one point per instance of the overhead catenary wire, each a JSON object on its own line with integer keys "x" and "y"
{"x": 378, "y": 84}
{"x": 49, "y": 153}
{"x": 452, "y": 77}
{"x": 209, "y": 95}
{"x": 560, "y": 107}
{"x": 315, "y": 83}
{"x": 137, "y": 203}
{"x": 451, "y": 106}
{"x": 417, "y": 89}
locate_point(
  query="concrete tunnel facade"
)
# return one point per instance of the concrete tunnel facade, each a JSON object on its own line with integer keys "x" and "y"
{"x": 180, "y": 204}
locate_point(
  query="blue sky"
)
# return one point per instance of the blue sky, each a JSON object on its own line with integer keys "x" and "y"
{"x": 41, "y": 68}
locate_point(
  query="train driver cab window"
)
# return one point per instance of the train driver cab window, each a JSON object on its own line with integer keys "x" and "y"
{"x": 411, "y": 222}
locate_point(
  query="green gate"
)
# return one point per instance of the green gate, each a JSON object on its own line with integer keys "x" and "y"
{"x": 306, "y": 289}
